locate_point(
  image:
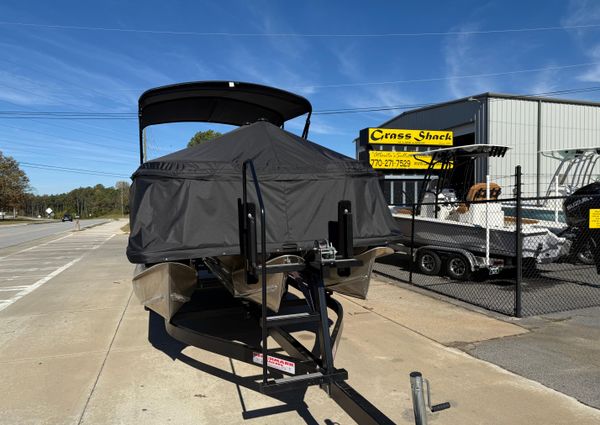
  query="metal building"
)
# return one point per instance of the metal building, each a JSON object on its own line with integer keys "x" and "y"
{"x": 528, "y": 125}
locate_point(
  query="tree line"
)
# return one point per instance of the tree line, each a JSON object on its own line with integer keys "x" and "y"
{"x": 16, "y": 197}
{"x": 14, "y": 184}
{"x": 84, "y": 202}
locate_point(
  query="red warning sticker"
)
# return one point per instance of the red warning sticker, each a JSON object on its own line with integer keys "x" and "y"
{"x": 275, "y": 363}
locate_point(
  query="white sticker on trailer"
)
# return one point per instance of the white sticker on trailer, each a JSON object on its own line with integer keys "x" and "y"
{"x": 275, "y": 363}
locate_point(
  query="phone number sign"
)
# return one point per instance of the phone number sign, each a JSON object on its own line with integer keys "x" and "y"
{"x": 388, "y": 160}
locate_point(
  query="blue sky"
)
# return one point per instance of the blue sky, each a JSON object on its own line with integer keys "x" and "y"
{"x": 119, "y": 49}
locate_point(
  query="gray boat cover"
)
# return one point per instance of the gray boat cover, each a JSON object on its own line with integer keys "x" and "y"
{"x": 184, "y": 205}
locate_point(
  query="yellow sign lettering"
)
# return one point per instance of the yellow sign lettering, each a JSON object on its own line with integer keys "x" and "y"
{"x": 388, "y": 160}
{"x": 395, "y": 136}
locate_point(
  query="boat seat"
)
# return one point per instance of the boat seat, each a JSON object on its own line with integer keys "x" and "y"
{"x": 477, "y": 192}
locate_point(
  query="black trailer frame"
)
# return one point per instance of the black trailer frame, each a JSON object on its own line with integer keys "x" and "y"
{"x": 292, "y": 365}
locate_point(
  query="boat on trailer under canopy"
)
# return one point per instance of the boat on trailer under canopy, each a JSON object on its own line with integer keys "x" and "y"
{"x": 220, "y": 231}
{"x": 184, "y": 206}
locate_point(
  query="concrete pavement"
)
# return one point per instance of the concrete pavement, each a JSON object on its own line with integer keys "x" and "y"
{"x": 76, "y": 351}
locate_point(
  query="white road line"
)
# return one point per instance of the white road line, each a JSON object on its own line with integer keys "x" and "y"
{"x": 31, "y": 288}
{"x": 42, "y": 259}
{"x": 13, "y": 288}
{"x": 31, "y": 269}
{"x": 36, "y": 246}
{"x": 37, "y": 284}
{"x": 18, "y": 276}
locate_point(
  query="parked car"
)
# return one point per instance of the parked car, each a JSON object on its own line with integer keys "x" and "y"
{"x": 67, "y": 217}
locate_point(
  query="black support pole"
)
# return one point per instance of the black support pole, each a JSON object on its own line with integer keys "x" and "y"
{"x": 412, "y": 243}
{"x": 519, "y": 247}
{"x": 141, "y": 132}
{"x": 263, "y": 256}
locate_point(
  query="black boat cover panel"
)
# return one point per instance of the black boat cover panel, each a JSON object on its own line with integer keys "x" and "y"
{"x": 224, "y": 102}
{"x": 184, "y": 205}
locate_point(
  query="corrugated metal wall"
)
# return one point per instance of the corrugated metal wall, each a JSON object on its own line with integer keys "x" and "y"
{"x": 567, "y": 126}
{"x": 442, "y": 117}
{"x": 514, "y": 123}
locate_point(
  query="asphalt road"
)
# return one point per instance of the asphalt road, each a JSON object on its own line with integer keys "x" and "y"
{"x": 14, "y": 235}
{"x": 561, "y": 351}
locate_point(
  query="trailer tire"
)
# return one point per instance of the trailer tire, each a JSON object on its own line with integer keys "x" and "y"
{"x": 458, "y": 267}
{"x": 429, "y": 263}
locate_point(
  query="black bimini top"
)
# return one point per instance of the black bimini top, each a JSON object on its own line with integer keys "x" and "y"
{"x": 223, "y": 102}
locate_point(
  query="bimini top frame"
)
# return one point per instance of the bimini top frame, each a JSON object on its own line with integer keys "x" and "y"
{"x": 472, "y": 151}
{"x": 222, "y": 102}
{"x": 571, "y": 153}
{"x": 444, "y": 162}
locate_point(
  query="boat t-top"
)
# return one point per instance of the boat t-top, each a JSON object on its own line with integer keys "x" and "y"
{"x": 577, "y": 167}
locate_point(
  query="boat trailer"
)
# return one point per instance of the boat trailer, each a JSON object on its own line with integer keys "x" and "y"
{"x": 216, "y": 322}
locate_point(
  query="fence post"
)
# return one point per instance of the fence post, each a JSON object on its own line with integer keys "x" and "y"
{"x": 412, "y": 243}
{"x": 519, "y": 245}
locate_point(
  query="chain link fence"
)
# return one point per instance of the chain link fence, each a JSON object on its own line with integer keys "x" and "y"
{"x": 510, "y": 254}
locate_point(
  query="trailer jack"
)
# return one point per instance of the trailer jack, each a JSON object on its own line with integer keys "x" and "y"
{"x": 420, "y": 389}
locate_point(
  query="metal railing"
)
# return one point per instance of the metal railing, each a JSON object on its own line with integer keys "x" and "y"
{"x": 249, "y": 222}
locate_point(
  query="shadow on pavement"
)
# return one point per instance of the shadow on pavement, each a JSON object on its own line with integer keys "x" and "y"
{"x": 293, "y": 400}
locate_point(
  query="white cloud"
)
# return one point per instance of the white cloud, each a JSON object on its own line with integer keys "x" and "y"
{"x": 377, "y": 96}
{"x": 270, "y": 69}
{"x": 462, "y": 57}
{"x": 545, "y": 81}
{"x": 318, "y": 125}
{"x": 348, "y": 65}
{"x": 69, "y": 71}
{"x": 584, "y": 12}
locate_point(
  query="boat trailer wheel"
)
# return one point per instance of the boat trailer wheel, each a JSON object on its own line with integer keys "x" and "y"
{"x": 457, "y": 267}
{"x": 429, "y": 262}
